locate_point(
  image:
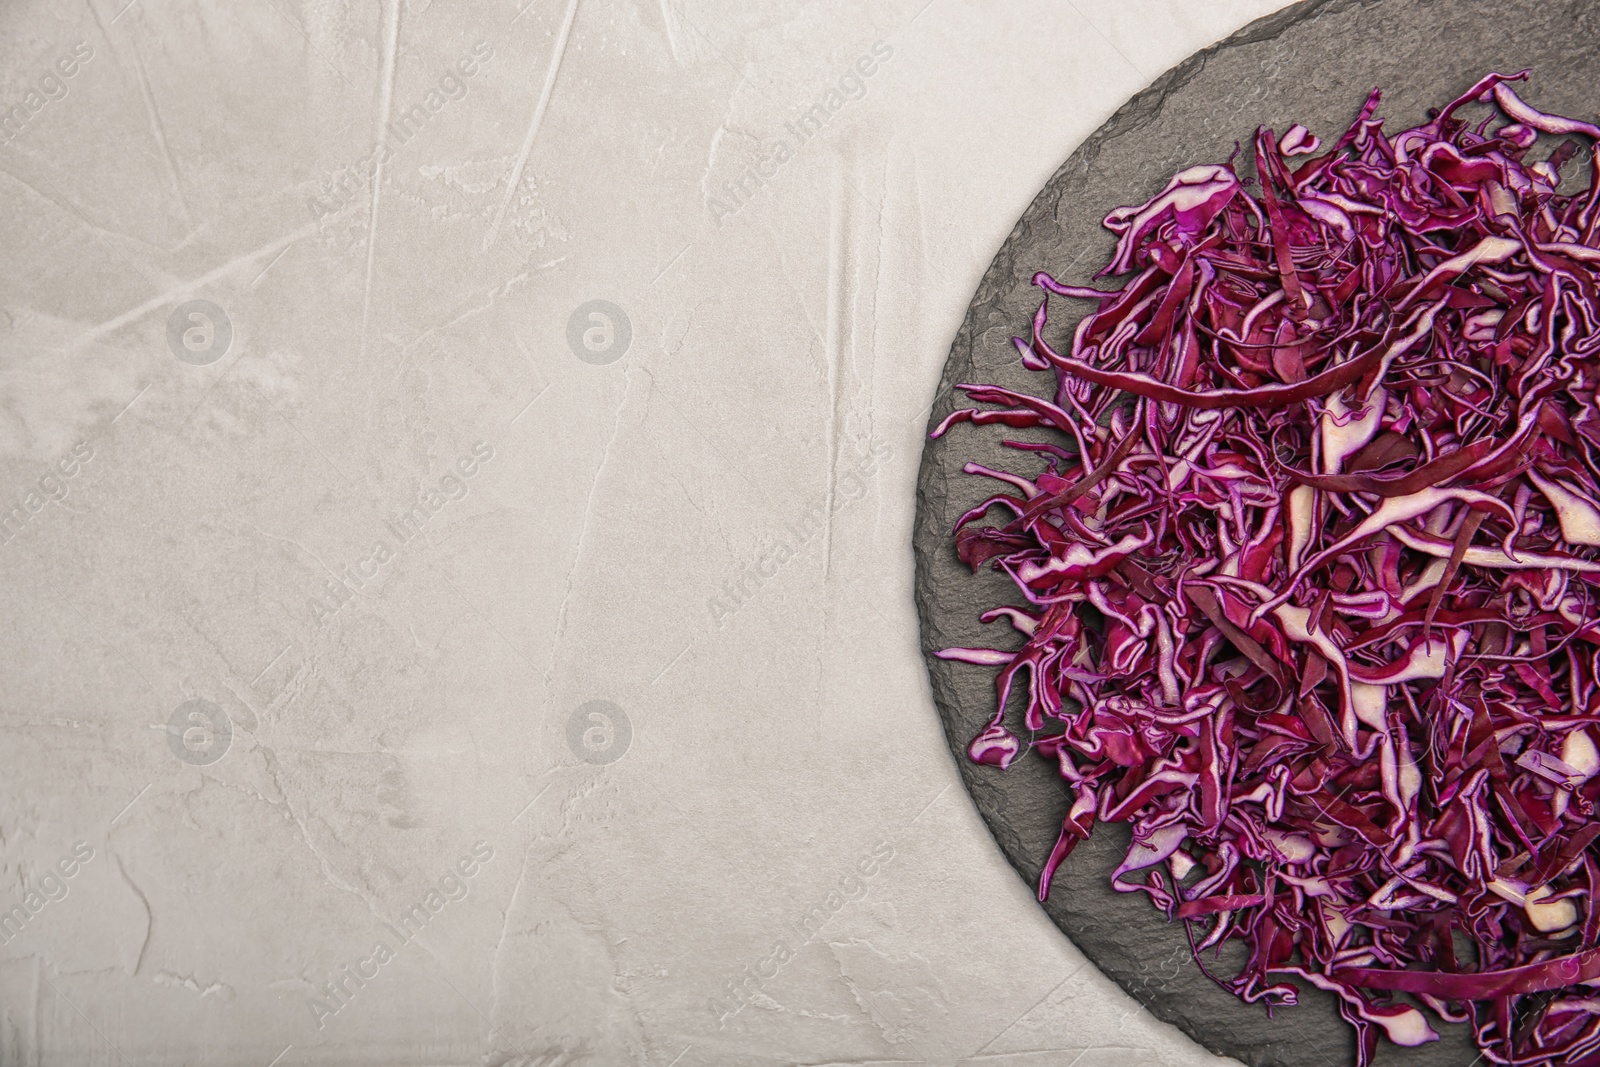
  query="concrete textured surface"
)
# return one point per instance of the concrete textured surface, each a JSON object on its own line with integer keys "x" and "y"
{"x": 1314, "y": 63}
{"x": 457, "y": 475}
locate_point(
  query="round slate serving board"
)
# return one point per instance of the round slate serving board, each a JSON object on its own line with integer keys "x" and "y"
{"x": 1313, "y": 63}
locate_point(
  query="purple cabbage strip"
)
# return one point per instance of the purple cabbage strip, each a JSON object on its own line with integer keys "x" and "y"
{"x": 1308, "y": 597}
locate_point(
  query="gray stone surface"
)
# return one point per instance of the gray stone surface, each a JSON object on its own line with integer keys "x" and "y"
{"x": 1313, "y": 63}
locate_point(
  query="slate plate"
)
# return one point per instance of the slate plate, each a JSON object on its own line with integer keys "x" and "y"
{"x": 1313, "y": 63}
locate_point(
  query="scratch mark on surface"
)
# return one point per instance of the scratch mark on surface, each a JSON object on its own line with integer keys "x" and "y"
{"x": 528, "y": 405}
{"x": 391, "y": 46}
{"x": 838, "y": 269}
{"x": 130, "y": 403}
{"x": 131, "y": 803}
{"x": 483, "y": 618}
{"x": 476, "y": 304}
{"x": 158, "y": 130}
{"x": 290, "y": 541}
{"x": 187, "y": 288}
{"x": 680, "y": 50}
{"x": 1113, "y": 45}
{"x": 149, "y": 915}
{"x": 836, "y": 331}
{"x": 269, "y": 266}
{"x": 695, "y": 26}
{"x": 505, "y": 923}
{"x": 57, "y": 990}
{"x": 583, "y": 530}
{"x": 668, "y": 267}
{"x": 737, "y": 467}
{"x": 929, "y": 804}
{"x": 526, "y": 1056}
{"x": 670, "y": 662}
{"x": 100, "y": 233}
{"x": 290, "y": 423}
{"x": 312, "y": 45}
{"x": 325, "y": 866}
{"x": 533, "y": 127}
{"x": 1031, "y": 1007}
{"x": 524, "y": 811}
{"x": 274, "y": 662}
{"x": 867, "y": 383}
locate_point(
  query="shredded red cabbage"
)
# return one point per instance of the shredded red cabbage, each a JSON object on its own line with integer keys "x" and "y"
{"x": 1311, "y": 570}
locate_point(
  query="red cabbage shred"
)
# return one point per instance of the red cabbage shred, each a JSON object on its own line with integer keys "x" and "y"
{"x": 1307, "y": 583}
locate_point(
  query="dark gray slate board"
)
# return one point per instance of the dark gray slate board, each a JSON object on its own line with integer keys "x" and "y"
{"x": 1313, "y": 63}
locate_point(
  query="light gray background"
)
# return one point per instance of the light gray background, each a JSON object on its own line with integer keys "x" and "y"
{"x": 711, "y": 532}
